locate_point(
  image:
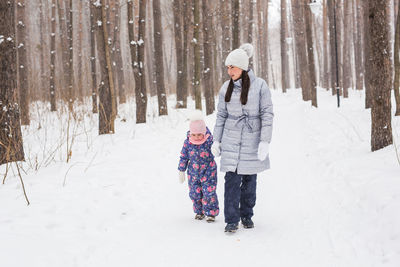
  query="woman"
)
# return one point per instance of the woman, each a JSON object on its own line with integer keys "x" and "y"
{"x": 242, "y": 135}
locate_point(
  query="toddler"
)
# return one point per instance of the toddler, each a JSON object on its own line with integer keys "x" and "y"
{"x": 197, "y": 158}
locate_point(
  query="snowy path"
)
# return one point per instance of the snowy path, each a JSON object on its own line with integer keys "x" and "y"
{"x": 327, "y": 201}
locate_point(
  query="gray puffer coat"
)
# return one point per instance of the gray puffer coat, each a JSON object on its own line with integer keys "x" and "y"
{"x": 240, "y": 128}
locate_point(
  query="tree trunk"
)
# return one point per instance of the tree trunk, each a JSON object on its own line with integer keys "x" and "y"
{"x": 272, "y": 66}
{"x": 151, "y": 79}
{"x": 42, "y": 30}
{"x": 79, "y": 48}
{"x": 216, "y": 75}
{"x": 381, "y": 74}
{"x": 250, "y": 28}
{"x": 396, "y": 84}
{"x": 93, "y": 58}
{"x": 265, "y": 49}
{"x": 250, "y": 22}
{"x": 358, "y": 60}
{"x": 225, "y": 9}
{"x": 64, "y": 48}
{"x": 262, "y": 51}
{"x": 141, "y": 92}
{"x": 207, "y": 74}
{"x": 69, "y": 14}
{"x": 367, "y": 58}
{"x": 310, "y": 53}
{"x": 22, "y": 64}
{"x": 196, "y": 49}
{"x": 106, "y": 101}
{"x": 325, "y": 82}
{"x": 109, "y": 69}
{"x": 291, "y": 47}
{"x": 11, "y": 148}
{"x": 159, "y": 59}
{"x": 187, "y": 18}
{"x": 284, "y": 57}
{"x": 117, "y": 55}
{"x": 318, "y": 48}
{"x": 339, "y": 40}
{"x": 301, "y": 48}
{"x": 235, "y": 24}
{"x": 178, "y": 34}
{"x": 53, "y": 57}
{"x": 140, "y": 118}
{"x": 347, "y": 70}
{"x": 333, "y": 45}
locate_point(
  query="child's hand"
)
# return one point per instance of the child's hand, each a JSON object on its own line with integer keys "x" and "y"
{"x": 181, "y": 177}
{"x": 215, "y": 149}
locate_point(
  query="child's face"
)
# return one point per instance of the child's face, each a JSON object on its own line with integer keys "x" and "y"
{"x": 197, "y": 136}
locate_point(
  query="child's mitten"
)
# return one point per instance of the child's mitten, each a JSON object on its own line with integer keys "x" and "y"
{"x": 263, "y": 150}
{"x": 181, "y": 177}
{"x": 215, "y": 149}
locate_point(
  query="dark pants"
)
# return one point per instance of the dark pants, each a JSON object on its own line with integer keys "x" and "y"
{"x": 240, "y": 196}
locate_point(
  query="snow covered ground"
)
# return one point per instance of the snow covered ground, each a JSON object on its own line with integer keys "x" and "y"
{"x": 327, "y": 201}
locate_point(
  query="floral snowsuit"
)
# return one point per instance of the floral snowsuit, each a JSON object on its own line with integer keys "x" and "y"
{"x": 201, "y": 174}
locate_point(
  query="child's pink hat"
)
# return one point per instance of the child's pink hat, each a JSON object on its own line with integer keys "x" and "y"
{"x": 197, "y": 124}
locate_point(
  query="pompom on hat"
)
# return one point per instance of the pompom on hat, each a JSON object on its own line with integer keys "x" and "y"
{"x": 240, "y": 57}
{"x": 197, "y": 124}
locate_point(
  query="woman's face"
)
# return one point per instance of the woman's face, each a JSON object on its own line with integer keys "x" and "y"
{"x": 234, "y": 72}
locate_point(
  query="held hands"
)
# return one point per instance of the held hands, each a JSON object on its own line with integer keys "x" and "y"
{"x": 215, "y": 149}
{"x": 181, "y": 177}
{"x": 263, "y": 150}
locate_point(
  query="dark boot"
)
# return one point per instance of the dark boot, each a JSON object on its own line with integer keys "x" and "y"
{"x": 247, "y": 223}
{"x": 231, "y": 227}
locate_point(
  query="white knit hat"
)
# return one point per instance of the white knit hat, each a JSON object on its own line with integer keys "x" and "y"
{"x": 240, "y": 57}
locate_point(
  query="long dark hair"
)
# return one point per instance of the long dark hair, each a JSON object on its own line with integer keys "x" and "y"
{"x": 245, "y": 88}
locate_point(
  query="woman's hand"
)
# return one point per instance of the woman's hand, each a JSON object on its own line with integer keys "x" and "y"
{"x": 263, "y": 150}
{"x": 215, "y": 149}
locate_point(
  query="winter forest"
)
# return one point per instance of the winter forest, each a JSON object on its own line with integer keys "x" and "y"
{"x": 94, "y": 104}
